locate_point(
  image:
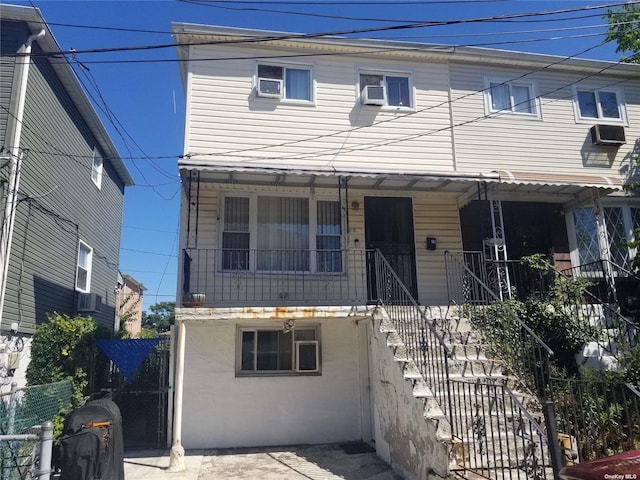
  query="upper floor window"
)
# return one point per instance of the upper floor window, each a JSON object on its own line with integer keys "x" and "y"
{"x": 510, "y": 97}
{"x": 287, "y": 82}
{"x": 97, "y": 168}
{"x": 599, "y": 104}
{"x": 83, "y": 268}
{"x": 281, "y": 234}
{"x": 392, "y": 90}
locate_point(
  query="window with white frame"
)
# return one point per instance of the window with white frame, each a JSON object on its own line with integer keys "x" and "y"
{"x": 287, "y": 82}
{"x": 276, "y": 351}
{"x": 506, "y": 96}
{"x": 83, "y": 268}
{"x": 395, "y": 91}
{"x": 620, "y": 222}
{"x": 281, "y": 234}
{"x": 605, "y": 104}
{"x": 97, "y": 168}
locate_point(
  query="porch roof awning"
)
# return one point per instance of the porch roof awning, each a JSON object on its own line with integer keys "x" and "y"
{"x": 453, "y": 182}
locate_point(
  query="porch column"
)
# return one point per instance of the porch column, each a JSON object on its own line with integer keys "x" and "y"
{"x": 498, "y": 250}
{"x": 176, "y": 457}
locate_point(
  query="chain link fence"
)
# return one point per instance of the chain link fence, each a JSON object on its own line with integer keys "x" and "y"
{"x": 22, "y": 412}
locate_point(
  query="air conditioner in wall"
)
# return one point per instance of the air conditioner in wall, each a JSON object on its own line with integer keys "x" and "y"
{"x": 89, "y": 302}
{"x": 373, "y": 95}
{"x": 608, "y": 135}
{"x": 270, "y": 87}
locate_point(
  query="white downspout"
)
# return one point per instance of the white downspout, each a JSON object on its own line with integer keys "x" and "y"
{"x": 13, "y": 134}
{"x": 176, "y": 457}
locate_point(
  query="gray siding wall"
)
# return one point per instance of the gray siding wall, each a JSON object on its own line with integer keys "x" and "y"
{"x": 60, "y": 205}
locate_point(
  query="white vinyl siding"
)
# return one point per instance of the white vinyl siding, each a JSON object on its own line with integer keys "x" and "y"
{"x": 338, "y": 132}
{"x": 556, "y": 144}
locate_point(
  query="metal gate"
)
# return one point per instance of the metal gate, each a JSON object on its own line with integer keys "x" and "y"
{"x": 144, "y": 400}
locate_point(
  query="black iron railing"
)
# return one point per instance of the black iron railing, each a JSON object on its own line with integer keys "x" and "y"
{"x": 243, "y": 277}
{"x": 495, "y": 436}
{"x": 596, "y": 418}
{"x": 595, "y": 308}
{"x": 424, "y": 345}
{"x": 518, "y": 345}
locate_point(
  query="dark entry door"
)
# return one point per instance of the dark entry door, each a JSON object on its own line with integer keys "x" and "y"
{"x": 388, "y": 225}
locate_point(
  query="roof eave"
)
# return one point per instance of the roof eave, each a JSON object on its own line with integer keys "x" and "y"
{"x": 35, "y": 21}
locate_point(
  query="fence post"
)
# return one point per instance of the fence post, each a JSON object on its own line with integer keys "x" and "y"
{"x": 552, "y": 437}
{"x": 46, "y": 449}
{"x": 11, "y": 426}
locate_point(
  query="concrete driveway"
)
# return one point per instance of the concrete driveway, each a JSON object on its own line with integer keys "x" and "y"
{"x": 316, "y": 462}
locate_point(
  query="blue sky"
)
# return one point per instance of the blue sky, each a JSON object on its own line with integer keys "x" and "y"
{"x": 146, "y": 100}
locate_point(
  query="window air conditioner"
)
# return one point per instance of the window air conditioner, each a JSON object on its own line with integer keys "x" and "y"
{"x": 89, "y": 302}
{"x": 270, "y": 87}
{"x": 608, "y": 135}
{"x": 373, "y": 95}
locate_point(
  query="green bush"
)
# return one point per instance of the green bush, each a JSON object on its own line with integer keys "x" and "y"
{"x": 64, "y": 348}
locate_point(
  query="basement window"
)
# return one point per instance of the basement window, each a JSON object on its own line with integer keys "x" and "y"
{"x": 276, "y": 351}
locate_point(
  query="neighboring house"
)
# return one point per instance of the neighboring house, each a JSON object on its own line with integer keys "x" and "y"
{"x": 62, "y": 255}
{"x": 129, "y": 304}
{"x": 304, "y": 155}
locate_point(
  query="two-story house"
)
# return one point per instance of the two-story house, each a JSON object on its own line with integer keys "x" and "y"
{"x": 63, "y": 185}
{"x": 305, "y": 156}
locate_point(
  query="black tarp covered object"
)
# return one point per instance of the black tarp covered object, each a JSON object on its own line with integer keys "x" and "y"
{"x": 91, "y": 444}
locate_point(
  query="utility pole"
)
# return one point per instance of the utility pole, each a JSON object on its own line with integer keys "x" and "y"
{"x": 13, "y": 134}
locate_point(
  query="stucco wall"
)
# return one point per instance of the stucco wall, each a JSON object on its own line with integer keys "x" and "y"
{"x": 223, "y": 410}
{"x": 404, "y": 438}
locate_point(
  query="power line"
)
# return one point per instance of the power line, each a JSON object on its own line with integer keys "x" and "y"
{"x": 392, "y": 119}
{"x": 330, "y": 54}
{"x": 149, "y": 253}
{"x": 516, "y": 32}
{"x": 334, "y": 33}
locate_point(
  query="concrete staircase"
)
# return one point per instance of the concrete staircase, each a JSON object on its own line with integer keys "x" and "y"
{"x": 490, "y": 436}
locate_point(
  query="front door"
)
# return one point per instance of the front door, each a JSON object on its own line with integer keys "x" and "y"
{"x": 388, "y": 223}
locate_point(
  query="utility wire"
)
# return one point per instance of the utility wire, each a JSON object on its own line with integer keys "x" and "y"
{"x": 331, "y": 33}
{"x": 392, "y": 119}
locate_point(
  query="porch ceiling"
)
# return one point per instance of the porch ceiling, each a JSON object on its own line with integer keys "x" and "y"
{"x": 463, "y": 184}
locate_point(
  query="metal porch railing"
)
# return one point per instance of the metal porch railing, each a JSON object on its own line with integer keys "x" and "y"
{"x": 493, "y": 434}
{"x": 522, "y": 348}
{"x": 239, "y": 278}
{"x": 424, "y": 345}
{"x": 598, "y": 418}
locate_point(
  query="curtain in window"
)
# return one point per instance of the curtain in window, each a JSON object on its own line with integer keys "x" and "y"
{"x": 235, "y": 236}
{"x": 521, "y": 99}
{"x": 398, "y": 91}
{"x": 283, "y": 234}
{"x": 328, "y": 231}
{"x": 499, "y": 96}
{"x": 298, "y": 84}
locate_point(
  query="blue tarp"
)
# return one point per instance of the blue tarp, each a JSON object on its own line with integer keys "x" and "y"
{"x": 128, "y": 354}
